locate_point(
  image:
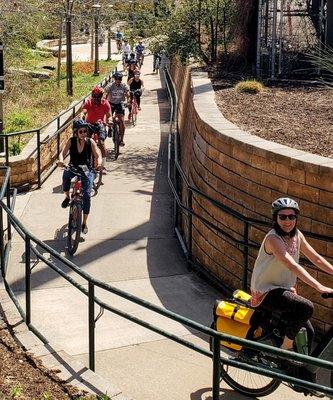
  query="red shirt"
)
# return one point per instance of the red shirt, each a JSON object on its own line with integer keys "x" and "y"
{"x": 96, "y": 112}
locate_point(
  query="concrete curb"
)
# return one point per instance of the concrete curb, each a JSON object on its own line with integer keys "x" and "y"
{"x": 69, "y": 370}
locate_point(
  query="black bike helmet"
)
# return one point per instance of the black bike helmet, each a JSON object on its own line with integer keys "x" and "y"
{"x": 283, "y": 203}
{"x": 117, "y": 75}
{"x": 79, "y": 123}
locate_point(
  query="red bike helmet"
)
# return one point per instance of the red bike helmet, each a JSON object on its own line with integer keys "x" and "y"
{"x": 97, "y": 91}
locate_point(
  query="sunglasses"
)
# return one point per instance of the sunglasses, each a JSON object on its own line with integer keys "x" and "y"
{"x": 82, "y": 131}
{"x": 283, "y": 217}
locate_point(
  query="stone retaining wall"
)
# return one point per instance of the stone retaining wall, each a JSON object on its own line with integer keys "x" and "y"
{"x": 246, "y": 173}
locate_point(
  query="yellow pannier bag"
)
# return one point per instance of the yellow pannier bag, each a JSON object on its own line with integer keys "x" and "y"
{"x": 233, "y": 319}
{"x": 241, "y": 295}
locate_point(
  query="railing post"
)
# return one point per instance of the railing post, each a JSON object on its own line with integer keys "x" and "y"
{"x": 58, "y": 137}
{"x": 7, "y": 150}
{"x": 189, "y": 205}
{"x": 38, "y": 159}
{"x": 2, "y": 244}
{"x": 91, "y": 326}
{"x": 245, "y": 255}
{"x": 216, "y": 368}
{"x": 9, "y": 225}
{"x": 27, "y": 282}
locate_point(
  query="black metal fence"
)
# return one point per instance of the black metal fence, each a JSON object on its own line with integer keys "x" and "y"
{"x": 35, "y": 246}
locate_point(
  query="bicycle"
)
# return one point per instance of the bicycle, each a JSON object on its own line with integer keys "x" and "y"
{"x": 114, "y": 133}
{"x": 140, "y": 58}
{"x": 75, "y": 209}
{"x": 272, "y": 328}
{"x": 134, "y": 107}
{"x": 157, "y": 62}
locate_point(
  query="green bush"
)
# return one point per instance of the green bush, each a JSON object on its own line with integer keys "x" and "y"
{"x": 15, "y": 148}
{"x": 249, "y": 86}
{"x": 18, "y": 120}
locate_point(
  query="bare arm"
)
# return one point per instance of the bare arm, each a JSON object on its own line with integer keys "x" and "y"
{"x": 64, "y": 153}
{"x": 84, "y": 113}
{"x": 276, "y": 247}
{"x": 314, "y": 257}
{"x": 97, "y": 154}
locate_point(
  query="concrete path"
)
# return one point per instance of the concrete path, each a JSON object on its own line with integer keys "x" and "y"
{"x": 131, "y": 245}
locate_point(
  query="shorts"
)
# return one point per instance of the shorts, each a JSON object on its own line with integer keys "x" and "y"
{"x": 99, "y": 129}
{"x": 117, "y": 108}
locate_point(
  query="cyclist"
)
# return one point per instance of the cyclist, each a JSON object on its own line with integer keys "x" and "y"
{"x": 139, "y": 49}
{"x": 132, "y": 69}
{"x": 126, "y": 52}
{"x": 131, "y": 60}
{"x": 276, "y": 269}
{"x": 136, "y": 87}
{"x": 97, "y": 111}
{"x": 119, "y": 39}
{"x": 116, "y": 93}
{"x": 81, "y": 149}
{"x": 158, "y": 50}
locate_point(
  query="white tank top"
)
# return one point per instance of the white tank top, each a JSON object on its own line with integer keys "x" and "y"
{"x": 269, "y": 273}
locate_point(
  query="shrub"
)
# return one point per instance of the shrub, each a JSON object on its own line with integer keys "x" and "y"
{"x": 15, "y": 148}
{"x": 249, "y": 86}
{"x": 18, "y": 120}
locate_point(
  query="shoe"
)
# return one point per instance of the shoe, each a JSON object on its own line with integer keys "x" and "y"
{"x": 129, "y": 116}
{"x": 122, "y": 144}
{"x": 139, "y": 108}
{"x": 84, "y": 229}
{"x": 65, "y": 203}
{"x": 104, "y": 171}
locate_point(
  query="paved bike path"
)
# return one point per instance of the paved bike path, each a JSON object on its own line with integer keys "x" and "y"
{"x": 131, "y": 245}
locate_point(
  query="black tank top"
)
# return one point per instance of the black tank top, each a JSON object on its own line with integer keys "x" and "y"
{"x": 135, "y": 85}
{"x": 83, "y": 158}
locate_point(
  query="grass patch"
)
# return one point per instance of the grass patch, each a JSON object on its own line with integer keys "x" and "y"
{"x": 30, "y": 103}
{"x": 249, "y": 86}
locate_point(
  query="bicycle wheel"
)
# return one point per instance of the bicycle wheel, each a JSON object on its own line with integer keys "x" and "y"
{"x": 74, "y": 226}
{"x": 116, "y": 140}
{"x": 246, "y": 382}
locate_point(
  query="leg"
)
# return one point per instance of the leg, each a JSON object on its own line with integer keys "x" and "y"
{"x": 87, "y": 184}
{"x": 66, "y": 184}
{"x": 138, "y": 99}
{"x": 295, "y": 310}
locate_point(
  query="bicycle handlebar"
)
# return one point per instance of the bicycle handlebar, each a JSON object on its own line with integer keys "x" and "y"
{"x": 327, "y": 295}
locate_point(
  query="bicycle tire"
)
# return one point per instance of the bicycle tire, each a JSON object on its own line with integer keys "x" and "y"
{"x": 270, "y": 385}
{"x": 74, "y": 226}
{"x": 116, "y": 140}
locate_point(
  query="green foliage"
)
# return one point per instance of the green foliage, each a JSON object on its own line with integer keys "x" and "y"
{"x": 15, "y": 147}
{"x": 16, "y": 391}
{"x": 18, "y": 120}
{"x": 323, "y": 60}
{"x": 47, "y": 396}
{"x": 249, "y": 86}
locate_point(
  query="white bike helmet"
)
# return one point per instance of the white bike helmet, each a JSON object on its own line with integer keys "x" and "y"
{"x": 283, "y": 203}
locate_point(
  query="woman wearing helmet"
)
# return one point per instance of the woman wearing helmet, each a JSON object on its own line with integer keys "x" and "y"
{"x": 117, "y": 92}
{"x": 276, "y": 269}
{"x": 80, "y": 149}
{"x": 97, "y": 111}
{"x": 136, "y": 87}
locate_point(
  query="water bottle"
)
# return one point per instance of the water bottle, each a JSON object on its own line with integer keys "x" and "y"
{"x": 301, "y": 341}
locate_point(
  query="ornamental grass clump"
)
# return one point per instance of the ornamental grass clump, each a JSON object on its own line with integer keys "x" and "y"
{"x": 249, "y": 86}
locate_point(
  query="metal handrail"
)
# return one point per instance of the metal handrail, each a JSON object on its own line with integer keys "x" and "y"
{"x": 93, "y": 282}
{"x": 30, "y": 246}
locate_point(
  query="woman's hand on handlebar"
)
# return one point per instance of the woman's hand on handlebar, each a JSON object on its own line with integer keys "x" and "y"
{"x": 326, "y": 292}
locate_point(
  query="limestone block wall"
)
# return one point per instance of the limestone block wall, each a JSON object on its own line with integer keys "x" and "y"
{"x": 247, "y": 173}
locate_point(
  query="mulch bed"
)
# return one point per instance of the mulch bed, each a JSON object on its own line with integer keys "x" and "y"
{"x": 23, "y": 376}
{"x": 296, "y": 115}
